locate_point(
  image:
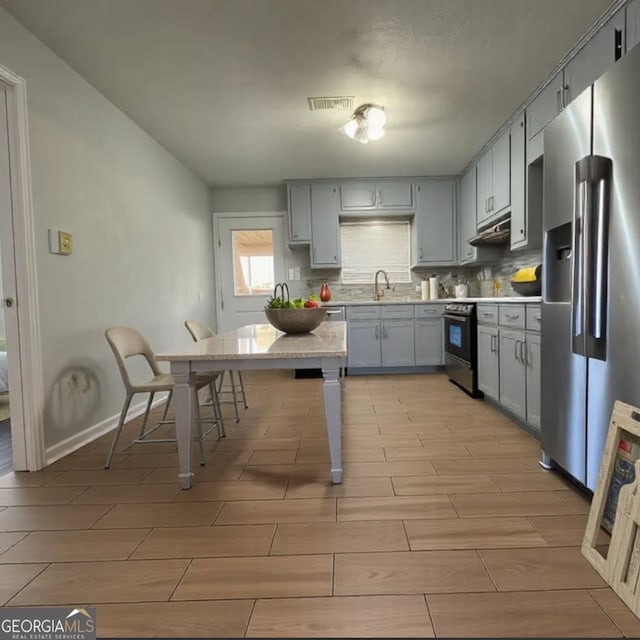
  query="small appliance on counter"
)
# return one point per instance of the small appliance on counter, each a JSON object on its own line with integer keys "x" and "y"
{"x": 528, "y": 281}
{"x": 461, "y": 289}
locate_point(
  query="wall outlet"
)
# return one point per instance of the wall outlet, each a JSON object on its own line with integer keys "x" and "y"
{"x": 292, "y": 273}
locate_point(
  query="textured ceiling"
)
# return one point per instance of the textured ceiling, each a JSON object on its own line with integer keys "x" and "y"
{"x": 222, "y": 84}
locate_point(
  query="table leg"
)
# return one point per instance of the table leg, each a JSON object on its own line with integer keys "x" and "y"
{"x": 331, "y": 389}
{"x": 183, "y": 403}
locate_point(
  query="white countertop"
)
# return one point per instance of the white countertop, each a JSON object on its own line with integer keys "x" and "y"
{"x": 264, "y": 342}
{"x": 518, "y": 299}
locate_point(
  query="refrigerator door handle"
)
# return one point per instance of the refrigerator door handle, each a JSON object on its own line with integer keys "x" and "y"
{"x": 595, "y": 171}
{"x": 601, "y": 258}
{"x": 577, "y": 298}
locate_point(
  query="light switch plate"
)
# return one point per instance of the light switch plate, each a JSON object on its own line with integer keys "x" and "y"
{"x": 60, "y": 242}
{"x": 65, "y": 240}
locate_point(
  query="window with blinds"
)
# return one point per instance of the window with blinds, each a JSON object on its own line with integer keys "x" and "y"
{"x": 369, "y": 246}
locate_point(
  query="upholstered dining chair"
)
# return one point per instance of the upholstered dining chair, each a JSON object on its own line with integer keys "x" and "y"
{"x": 201, "y": 331}
{"x": 125, "y": 343}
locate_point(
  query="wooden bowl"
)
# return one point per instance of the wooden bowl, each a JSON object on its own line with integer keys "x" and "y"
{"x": 296, "y": 320}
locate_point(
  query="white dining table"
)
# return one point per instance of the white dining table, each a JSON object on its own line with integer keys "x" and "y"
{"x": 260, "y": 346}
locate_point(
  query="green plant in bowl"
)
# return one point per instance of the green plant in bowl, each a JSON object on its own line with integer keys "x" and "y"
{"x": 292, "y": 316}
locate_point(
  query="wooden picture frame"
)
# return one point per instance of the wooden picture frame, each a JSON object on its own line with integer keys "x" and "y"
{"x": 616, "y": 507}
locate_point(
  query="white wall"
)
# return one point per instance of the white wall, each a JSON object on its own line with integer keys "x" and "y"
{"x": 141, "y": 228}
{"x": 243, "y": 199}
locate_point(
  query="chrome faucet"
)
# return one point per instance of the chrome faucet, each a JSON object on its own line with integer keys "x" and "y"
{"x": 377, "y": 292}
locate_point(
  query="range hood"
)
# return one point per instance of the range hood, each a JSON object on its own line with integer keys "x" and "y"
{"x": 497, "y": 234}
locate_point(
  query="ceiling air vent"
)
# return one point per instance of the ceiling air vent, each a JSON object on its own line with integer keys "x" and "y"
{"x": 334, "y": 103}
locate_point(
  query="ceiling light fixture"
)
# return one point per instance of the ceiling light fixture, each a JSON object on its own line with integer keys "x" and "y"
{"x": 366, "y": 123}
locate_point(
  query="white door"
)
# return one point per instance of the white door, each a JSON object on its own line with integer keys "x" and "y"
{"x": 249, "y": 261}
{"x": 8, "y": 293}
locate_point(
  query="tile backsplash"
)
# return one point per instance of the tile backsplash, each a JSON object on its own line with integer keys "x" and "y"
{"x": 501, "y": 270}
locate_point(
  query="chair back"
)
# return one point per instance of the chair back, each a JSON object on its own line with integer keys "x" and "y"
{"x": 126, "y": 342}
{"x": 198, "y": 330}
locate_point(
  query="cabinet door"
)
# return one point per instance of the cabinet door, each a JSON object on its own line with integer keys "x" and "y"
{"x": 397, "y": 344}
{"x": 358, "y": 195}
{"x": 633, "y": 24}
{"x": 484, "y": 187}
{"x": 512, "y": 373}
{"x": 534, "y": 379}
{"x": 545, "y": 107}
{"x": 394, "y": 195}
{"x": 518, "y": 191}
{"x": 325, "y": 228}
{"x": 299, "y": 213}
{"x": 363, "y": 339}
{"x": 500, "y": 196}
{"x": 488, "y": 364}
{"x": 428, "y": 342}
{"x": 434, "y": 222}
{"x": 467, "y": 227}
{"x": 597, "y": 56}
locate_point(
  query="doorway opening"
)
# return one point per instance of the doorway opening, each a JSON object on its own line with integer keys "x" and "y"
{"x": 21, "y": 432}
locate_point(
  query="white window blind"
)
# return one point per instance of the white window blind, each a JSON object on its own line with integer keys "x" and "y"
{"x": 369, "y": 246}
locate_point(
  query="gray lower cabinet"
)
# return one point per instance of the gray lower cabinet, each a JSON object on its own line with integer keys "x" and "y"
{"x": 363, "y": 343}
{"x": 397, "y": 343}
{"x": 488, "y": 363}
{"x": 534, "y": 379}
{"x": 513, "y": 389}
{"x": 373, "y": 343}
{"x": 429, "y": 346}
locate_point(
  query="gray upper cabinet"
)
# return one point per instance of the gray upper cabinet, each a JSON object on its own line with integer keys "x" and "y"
{"x": 599, "y": 54}
{"x": 366, "y": 195}
{"x": 394, "y": 195}
{"x": 633, "y": 23}
{"x": 358, "y": 195}
{"x": 467, "y": 223}
{"x": 325, "y": 227}
{"x": 545, "y": 107}
{"x": 483, "y": 188}
{"x": 434, "y": 223}
{"x": 494, "y": 180}
{"x": 518, "y": 193}
{"x": 501, "y": 174}
{"x": 299, "y": 205}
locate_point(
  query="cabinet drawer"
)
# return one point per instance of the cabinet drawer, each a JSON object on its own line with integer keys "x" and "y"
{"x": 429, "y": 310}
{"x": 396, "y": 312}
{"x": 512, "y": 315}
{"x": 534, "y": 317}
{"x": 362, "y": 313}
{"x": 488, "y": 314}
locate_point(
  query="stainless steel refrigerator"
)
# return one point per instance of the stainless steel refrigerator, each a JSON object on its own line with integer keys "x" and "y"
{"x": 591, "y": 275}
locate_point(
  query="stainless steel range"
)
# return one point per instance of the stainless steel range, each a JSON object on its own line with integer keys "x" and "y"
{"x": 460, "y": 346}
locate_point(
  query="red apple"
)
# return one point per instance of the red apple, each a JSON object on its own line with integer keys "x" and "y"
{"x": 311, "y": 304}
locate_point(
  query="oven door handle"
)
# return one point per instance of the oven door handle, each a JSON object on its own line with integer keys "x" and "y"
{"x": 464, "y": 319}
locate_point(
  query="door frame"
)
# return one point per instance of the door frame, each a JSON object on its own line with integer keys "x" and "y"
{"x": 28, "y": 397}
{"x": 217, "y": 244}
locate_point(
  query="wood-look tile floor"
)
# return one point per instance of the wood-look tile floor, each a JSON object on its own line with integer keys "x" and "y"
{"x": 444, "y": 525}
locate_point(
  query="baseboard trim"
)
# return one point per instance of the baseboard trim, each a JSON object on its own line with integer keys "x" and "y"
{"x": 79, "y": 440}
